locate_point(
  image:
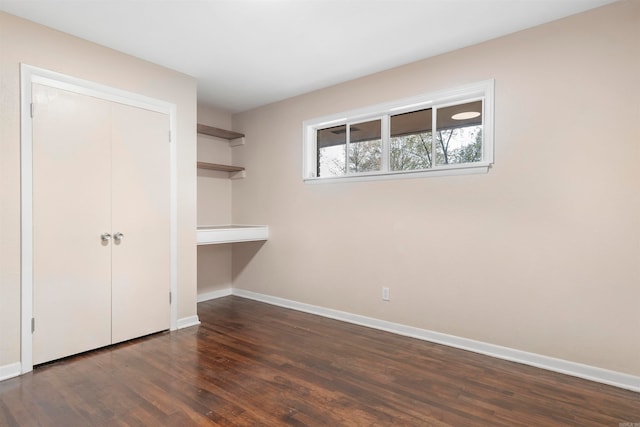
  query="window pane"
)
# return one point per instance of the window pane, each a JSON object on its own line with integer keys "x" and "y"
{"x": 459, "y": 134}
{"x": 410, "y": 143}
{"x": 332, "y": 151}
{"x": 365, "y": 146}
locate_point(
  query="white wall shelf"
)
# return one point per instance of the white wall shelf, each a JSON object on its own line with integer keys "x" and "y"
{"x": 216, "y": 234}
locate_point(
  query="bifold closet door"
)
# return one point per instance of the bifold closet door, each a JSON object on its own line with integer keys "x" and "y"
{"x": 101, "y": 223}
{"x": 72, "y": 209}
{"x": 141, "y": 212}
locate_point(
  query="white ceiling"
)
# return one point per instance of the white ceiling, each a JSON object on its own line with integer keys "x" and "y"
{"x": 247, "y": 53}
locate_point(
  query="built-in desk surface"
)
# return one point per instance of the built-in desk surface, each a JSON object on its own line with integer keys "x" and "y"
{"x": 215, "y": 234}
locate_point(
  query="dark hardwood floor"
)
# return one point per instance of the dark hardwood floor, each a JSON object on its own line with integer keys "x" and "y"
{"x": 249, "y": 363}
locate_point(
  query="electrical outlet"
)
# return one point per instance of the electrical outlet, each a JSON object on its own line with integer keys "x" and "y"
{"x": 385, "y": 294}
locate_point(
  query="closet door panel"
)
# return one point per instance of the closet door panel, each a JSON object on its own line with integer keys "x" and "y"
{"x": 71, "y": 209}
{"x": 141, "y": 212}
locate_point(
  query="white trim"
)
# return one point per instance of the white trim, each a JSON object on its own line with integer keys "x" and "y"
{"x": 206, "y": 296}
{"x": 10, "y": 371}
{"x": 449, "y": 170}
{"x": 26, "y": 218}
{"x": 592, "y": 373}
{"x": 28, "y": 76}
{"x": 173, "y": 200}
{"x": 187, "y": 322}
{"x": 96, "y": 90}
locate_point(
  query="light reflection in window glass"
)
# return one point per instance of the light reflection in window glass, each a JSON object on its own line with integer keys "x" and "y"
{"x": 459, "y": 134}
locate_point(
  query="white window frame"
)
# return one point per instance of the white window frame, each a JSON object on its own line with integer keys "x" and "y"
{"x": 483, "y": 90}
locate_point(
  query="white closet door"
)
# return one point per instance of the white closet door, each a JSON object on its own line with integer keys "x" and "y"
{"x": 141, "y": 212}
{"x": 72, "y": 208}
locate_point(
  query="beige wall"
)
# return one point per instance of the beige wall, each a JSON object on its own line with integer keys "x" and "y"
{"x": 541, "y": 254}
{"x": 25, "y": 42}
{"x": 214, "y": 202}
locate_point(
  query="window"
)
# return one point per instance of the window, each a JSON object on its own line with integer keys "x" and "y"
{"x": 449, "y": 132}
{"x": 364, "y": 154}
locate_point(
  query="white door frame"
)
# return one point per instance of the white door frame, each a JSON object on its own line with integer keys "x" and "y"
{"x": 28, "y": 76}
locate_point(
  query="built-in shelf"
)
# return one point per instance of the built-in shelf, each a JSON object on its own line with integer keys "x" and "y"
{"x": 218, "y": 167}
{"x": 219, "y": 133}
{"x": 234, "y": 138}
{"x": 216, "y": 234}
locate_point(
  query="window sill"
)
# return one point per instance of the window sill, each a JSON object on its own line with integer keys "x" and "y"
{"x": 467, "y": 169}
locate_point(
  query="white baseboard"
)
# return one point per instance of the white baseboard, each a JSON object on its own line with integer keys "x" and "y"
{"x": 10, "y": 371}
{"x": 186, "y": 322}
{"x": 605, "y": 376}
{"x": 206, "y": 296}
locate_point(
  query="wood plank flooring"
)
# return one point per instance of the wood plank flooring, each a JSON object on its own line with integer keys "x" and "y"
{"x": 252, "y": 364}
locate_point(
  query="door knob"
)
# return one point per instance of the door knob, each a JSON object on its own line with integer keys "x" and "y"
{"x": 118, "y": 236}
{"x": 105, "y": 237}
